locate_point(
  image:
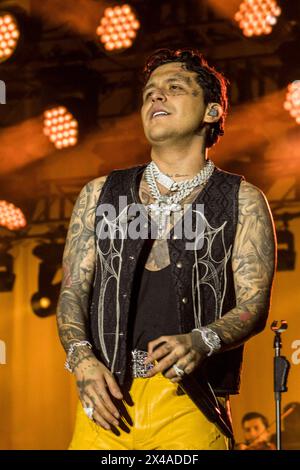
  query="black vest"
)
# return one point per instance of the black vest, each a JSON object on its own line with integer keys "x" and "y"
{"x": 203, "y": 278}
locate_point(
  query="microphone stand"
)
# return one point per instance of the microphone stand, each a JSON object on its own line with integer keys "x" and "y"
{"x": 281, "y": 370}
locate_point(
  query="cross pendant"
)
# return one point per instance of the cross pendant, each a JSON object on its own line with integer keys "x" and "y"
{"x": 163, "y": 210}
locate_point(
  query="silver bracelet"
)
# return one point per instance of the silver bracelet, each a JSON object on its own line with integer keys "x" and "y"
{"x": 71, "y": 351}
{"x": 209, "y": 338}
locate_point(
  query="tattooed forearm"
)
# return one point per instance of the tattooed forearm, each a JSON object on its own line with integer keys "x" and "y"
{"x": 78, "y": 268}
{"x": 253, "y": 263}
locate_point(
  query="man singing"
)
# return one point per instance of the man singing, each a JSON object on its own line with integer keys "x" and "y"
{"x": 154, "y": 326}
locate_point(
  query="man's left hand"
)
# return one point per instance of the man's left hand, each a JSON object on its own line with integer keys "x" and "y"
{"x": 173, "y": 350}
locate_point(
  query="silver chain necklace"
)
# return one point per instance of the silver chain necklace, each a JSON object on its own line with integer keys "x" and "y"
{"x": 164, "y": 204}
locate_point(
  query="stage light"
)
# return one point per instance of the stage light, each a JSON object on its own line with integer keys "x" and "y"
{"x": 44, "y": 301}
{"x": 118, "y": 28}
{"x": 292, "y": 100}
{"x": 7, "y": 276}
{"x": 61, "y": 127}
{"x": 257, "y": 17}
{"x": 286, "y": 255}
{"x": 70, "y": 103}
{"x": 9, "y": 35}
{"x": 11, "y": 216}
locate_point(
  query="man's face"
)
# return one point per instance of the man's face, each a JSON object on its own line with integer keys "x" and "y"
{"x": 254, "y": 428}
{"x": 174, "y": 91}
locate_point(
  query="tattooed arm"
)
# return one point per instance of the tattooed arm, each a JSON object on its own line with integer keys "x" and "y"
{"x": 253, "y": 263}
{"x": 92, "y": 377}
{"x": 78, "y": 268}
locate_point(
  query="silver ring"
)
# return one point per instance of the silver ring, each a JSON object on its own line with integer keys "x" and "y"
{"x": 179, "y": 372}
{"x": 89, "y": 411}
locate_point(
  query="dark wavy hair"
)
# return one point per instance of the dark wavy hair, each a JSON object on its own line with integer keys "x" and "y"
{"x": 213, "y": 83}
{"x": 255, "y": 415}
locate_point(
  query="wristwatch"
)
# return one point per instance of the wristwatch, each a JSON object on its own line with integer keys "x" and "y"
{"x": 209, "y": 337}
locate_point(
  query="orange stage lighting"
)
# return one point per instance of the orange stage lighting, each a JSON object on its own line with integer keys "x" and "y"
{"x": 257, "y": 17}
{"x": 11, "y": 216}
{"x": 292, "y": 100}
{"x": 118, "y": 28}
{"x": 61, "y": 127}
{"x": 9, "y": 35}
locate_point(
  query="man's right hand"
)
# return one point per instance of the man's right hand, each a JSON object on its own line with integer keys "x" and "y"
{"x": 95, "y": 384}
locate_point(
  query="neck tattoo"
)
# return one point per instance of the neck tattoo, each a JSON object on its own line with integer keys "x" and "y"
{"x": 176, "y": 175}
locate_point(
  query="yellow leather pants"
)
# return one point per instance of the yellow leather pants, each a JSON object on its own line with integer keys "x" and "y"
{"x": 161, "y": 420}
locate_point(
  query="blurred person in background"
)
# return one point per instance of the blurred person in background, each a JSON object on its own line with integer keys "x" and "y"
{"x": 256, "y": 433}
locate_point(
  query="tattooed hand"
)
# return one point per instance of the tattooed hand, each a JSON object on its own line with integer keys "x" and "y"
{"x": 95, "y": 383}
{"x": 170, "y": 350}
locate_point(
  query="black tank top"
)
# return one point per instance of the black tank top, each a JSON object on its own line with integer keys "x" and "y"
{"x": 153, "y": 308}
